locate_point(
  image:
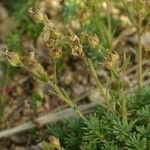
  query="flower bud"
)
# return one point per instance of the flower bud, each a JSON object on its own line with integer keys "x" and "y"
{"x": 36, "y": 15}
{"x": 93, "y": 40}
{"x": 54, "y": 142}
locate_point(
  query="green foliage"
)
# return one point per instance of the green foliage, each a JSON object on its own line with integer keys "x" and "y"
{"x": 32, "y": 30}
{"x": 33, "y": 135}
{"x": 13, "y": 38}
{"x": 135, "y": 141}
{"x": 36, "y": 101}
{"x": 70, "y": 9}
{"x": 71, "y": 134}
{"x": 104, "y": 130}
{"x": 23, "y": 26}
{"x": 55, "y": 130}
{"x": 19, "y": 8}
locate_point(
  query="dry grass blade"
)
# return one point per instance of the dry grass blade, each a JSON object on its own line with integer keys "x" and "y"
{"x": 48, "y": 118}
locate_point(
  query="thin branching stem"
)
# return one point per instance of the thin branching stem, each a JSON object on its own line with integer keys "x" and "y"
{"x": 101, "y": 88}
{"x": 120, "y": 92}
{"x": 63, "y": 96}
{"x": 139, "y": 54}
{"x": 66, "y": 99}
{"x": 55, "y": 71}
{"x": 2, "y": 96}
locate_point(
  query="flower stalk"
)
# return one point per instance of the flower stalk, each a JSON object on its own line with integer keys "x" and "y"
{"x": 55, "y": 71}
{"x": 65, "y": 98}
{"x": 101, "y": 88}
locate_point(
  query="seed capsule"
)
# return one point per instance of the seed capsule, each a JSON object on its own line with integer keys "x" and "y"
{"x": 112, "y": 60}
{"x": 76, "y": 47}
{"x": 36, "y": 68}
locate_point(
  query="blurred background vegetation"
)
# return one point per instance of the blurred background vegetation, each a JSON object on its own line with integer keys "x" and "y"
{"x": 113, "y": 22}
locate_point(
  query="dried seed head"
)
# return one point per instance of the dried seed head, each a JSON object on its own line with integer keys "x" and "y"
{"x": 76, "y": 47}
{"x": 56, "y": 53}
{"x": 13, "y": 58}
{"x": 75, "y": 39}
{"x": 36, "y": 15}
{"x": 47, "y": 39}
{"x": 108, "y": 64}
{"x": 77, "y": 50}
{"x": 56, "y": 34}
{"x": 83, "y": 16}
{"x": 112, "y": 60}
{"x": 36, "y": 68}
{"x": 54, "y": 142}
{"x": 39, "y": 71}
{"x": 50, "y": 44}
{"x": 93, "y": 40}
{"x": 51, "y": 31}
{"x": 51, "y": 38}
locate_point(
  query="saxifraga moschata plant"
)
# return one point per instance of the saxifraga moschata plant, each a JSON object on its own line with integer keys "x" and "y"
{"x": 53, "y": 39}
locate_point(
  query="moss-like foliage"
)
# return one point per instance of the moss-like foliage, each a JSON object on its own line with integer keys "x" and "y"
{"x": 106, "y": 131}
